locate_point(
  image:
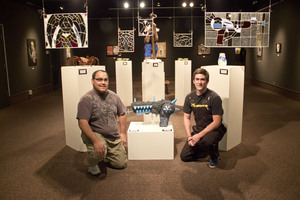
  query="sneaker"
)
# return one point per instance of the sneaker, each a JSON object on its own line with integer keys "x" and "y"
{"x": 94, "y": 170}
{"x": 213, "y": 163}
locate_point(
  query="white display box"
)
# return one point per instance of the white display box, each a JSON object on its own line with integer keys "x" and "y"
{"x": 76, "y": 81}
{"x": 124, "y": 81}
{"x": 228, "y": 82}
{"x": 153, "y": 84}
{"x": 149, "y": 141}
{"x": 183, "y": 74}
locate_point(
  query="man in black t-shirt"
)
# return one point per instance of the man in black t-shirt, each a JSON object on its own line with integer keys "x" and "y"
{"x": 206, "y": 106}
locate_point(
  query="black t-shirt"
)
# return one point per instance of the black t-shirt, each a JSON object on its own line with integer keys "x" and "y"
{"x": 203, "y": 107}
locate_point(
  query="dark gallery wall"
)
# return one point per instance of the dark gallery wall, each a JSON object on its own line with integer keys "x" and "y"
{"x": 22, "y": 21}
{"x": 279, "y": 69}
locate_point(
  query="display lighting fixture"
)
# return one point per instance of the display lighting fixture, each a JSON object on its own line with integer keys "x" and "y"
{"x": 184, "y": 4}
{"x": 126, "y": 5}
{"x": 191, "y": 4}
{"x": 142, "y": 4}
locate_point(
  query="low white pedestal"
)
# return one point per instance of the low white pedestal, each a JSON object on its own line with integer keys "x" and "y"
{"x": 148, "y": 141}
{"x": 183, "y": 74}
{"x": 228, "y": 82}
{"x": 153, "y": 84}
{"x": 76, "y": 81}
{"x": 124, "y": 81}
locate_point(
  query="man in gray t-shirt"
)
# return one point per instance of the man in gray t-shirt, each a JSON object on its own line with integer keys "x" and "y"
{"x": 98, "y": 111}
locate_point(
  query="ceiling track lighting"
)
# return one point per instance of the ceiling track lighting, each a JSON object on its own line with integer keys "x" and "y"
{"x": 126, "y": 5}
{"x": 191, "y": 4}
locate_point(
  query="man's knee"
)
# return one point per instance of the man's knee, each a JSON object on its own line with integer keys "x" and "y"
{"x": 119, "y": 164}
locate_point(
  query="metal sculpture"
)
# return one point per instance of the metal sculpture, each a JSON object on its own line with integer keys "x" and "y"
{"x": 163, "y": 108}
{"x": 83, "y": 61}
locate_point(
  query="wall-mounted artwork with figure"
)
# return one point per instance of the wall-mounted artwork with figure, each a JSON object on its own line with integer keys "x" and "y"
{"x": 31, "y": 52}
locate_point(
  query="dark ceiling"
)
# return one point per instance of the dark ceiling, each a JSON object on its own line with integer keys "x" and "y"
{"x": 166, "y": 8}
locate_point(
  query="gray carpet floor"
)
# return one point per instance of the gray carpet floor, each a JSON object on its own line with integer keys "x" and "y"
{"x": 36, "y": 163}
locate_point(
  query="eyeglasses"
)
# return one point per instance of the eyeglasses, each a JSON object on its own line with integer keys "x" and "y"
{"x": 101, "y": 79}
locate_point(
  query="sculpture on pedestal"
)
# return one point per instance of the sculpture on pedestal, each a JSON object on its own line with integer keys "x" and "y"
{"x": 163, "y": 108}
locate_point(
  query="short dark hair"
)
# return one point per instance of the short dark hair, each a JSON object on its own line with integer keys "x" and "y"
{"x": 201, "y": 71}
{"x": 95, "y": 72}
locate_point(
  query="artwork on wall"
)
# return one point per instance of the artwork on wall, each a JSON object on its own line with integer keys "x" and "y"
{"x": 237, "y": 29}
{"x": 162, "y": 50}
{"x": 278, "y": 48}
{"x": 259, "y": 53}
{"x": 203, "y": 50}
{"x": 183, "y": 39}
{"x": 126, "y": 40}
{"x": 112, "y": 51}
{"x": 66, "y": 30}
{"x": 31, "y": 52}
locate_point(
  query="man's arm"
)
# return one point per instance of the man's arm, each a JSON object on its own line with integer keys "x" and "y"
{"x": 217, "y": 120}
{"x": 187, "y": 124}
{"x": 122, "y": 120}
{"x": 87, "y": 130}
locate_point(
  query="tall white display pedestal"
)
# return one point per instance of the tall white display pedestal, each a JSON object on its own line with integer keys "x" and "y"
{"x": 124, "y": 81}
{"x": 153, "y": 84}
{"x": 148, "y": 141}
{"x": 228, "y": 82}
{"x": 183, "y": 74}
{"x": 76, "y": 81}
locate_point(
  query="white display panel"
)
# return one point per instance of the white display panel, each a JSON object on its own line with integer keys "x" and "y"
{"x": 148, "y": 141}
{"x": 183, "y": 74}
{"x": 124, "y": 81}
{"x": 76, "y": 81}
{"x": 153, "y": 84}
{"x": 228, "y": 82}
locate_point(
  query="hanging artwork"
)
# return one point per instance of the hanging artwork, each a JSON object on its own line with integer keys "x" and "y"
{"x": 66, "y": 30}
{"x": 145, "y": 27}
{"x": 126, "y": 40}
{"x": 183, "y": 39}
{"x": 31, "y": 52}
{"x": 203, "y": 50}
{"x": 241, "y": 29}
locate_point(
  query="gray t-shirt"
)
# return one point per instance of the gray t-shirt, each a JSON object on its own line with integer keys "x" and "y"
{"x": 101, "y": 112}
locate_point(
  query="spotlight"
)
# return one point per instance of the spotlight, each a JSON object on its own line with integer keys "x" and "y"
{"x": 191, "y": 4}
{"x": 126, "y": 5}
{"x": 183, "y": 4}
{"x": 142, "y": 4}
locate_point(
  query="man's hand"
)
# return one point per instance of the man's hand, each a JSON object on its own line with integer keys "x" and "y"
{"x": 194, "y": 139}
{"x": 99, "y": 148}
{"x": 123, "y": 138}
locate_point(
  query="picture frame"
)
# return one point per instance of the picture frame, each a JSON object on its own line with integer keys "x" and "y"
{"x": 259, "y": 53}
{"x": 162, "y": 50}
{"x": 278, "y": 47}
{"x": 112, "y": 50}
{"x": 31, "y": 52}
{"x": 203, "y": 50}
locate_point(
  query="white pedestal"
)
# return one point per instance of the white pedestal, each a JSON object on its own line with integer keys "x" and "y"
{"x": 153, "y": 84}
{"x": 124, "y": 81}
{"x": 148, "y": 141}
{"x": 228, "y": 82}
{"x": 183, "y": 74}
{"x": 76, "y": 81}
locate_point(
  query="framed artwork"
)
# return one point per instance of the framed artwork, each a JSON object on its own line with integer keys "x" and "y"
{"x": 112, "y": 50}
{"x": 31, "y": 52}
{"x": 162, "y": 50}
{"x": 278, "y": 48}
{"x": 259, "y": 53}
{"x": 202, "y": 50}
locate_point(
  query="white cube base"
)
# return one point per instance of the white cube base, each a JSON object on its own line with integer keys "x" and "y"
{"x": 183, "y": 74}
{"x": 148, "y": 141}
